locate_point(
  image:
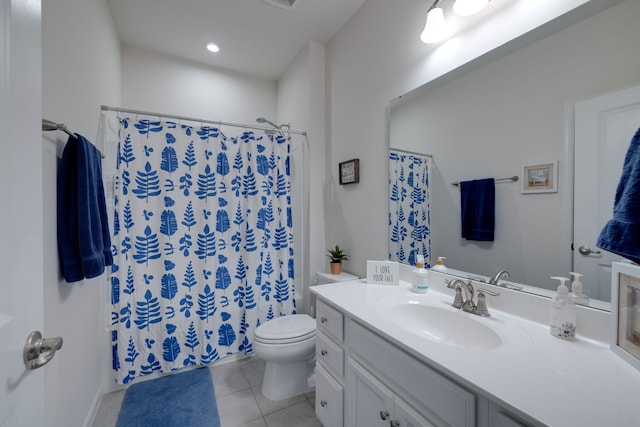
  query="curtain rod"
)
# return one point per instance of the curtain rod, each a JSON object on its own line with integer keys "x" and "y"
{"x": 191, "y": 119}
{"x": 411, "y": 152}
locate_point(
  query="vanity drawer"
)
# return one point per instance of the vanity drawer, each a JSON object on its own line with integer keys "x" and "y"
{"x": 330, "y": 321}
{"x": 330, "y": 354}
{"x": 329, "y": 399}
{"x": 431, "y": 393}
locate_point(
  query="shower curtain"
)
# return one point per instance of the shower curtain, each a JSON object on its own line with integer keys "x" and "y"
{"x": 409, "y": 207}
{"x": 203, "y": 249}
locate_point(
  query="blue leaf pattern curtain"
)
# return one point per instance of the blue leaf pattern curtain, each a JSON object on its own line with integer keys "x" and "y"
{"x": 409, "y": 207}
{"x": 203, "y": 249}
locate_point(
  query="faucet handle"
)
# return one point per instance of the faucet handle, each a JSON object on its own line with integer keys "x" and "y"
{"x": 457, "y": 301}
{"x": 487, "y": 291}
{"x": 481, "y": 307}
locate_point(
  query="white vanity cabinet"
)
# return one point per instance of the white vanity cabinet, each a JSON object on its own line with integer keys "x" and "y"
{"x": 364, "y": 380}
{"x": 373, "y": 360}
{"x": 329, "y": 366}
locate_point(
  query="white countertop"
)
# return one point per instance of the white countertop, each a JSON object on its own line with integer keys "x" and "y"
{"x": 559, "y": 383}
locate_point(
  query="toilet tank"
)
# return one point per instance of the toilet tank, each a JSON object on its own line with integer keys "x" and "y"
{"x": 323, "y": 278}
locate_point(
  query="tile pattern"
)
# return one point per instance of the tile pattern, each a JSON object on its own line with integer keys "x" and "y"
{"x": 240, "y": 400}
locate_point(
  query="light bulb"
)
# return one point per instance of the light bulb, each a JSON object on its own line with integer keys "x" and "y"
{"x": 435, "y": 29}
{"x": 468, "y": 7}
{"x": 213, "y": 47}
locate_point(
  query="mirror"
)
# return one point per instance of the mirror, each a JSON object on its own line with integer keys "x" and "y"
{"x": 499, "y": 116}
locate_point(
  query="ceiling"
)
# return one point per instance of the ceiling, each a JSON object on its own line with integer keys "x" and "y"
{"x": 255, "y": 38}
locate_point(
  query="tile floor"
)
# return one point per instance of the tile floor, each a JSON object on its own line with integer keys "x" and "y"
{"x": 240, "y": 400}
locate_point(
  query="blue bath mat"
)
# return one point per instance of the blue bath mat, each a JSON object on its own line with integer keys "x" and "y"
{"x": 185, "y": 400}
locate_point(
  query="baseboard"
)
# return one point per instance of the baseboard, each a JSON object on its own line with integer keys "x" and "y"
{"x": 95, "y": 405}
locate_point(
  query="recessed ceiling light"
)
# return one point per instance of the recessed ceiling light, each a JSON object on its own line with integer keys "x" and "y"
{"x": 213, "y": 47}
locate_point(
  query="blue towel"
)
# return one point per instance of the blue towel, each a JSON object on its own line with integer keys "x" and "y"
{"x": 477, "y": 202}
{"x": 621, "y": 235}
{"x": 84, "y": 242}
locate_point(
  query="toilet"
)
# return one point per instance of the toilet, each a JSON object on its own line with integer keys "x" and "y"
{"x": 288, "y": 346}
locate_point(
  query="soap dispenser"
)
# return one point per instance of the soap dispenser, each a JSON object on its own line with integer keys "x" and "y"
{"x": 562, "y": 312}
{"x": 440, "y": 264}
{"x": 420, "y": 281}
{"x": 577, "y": 295}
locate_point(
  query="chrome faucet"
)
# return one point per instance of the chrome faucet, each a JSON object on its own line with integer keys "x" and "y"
{"x": 467, "y": 304}
{"x": 502, "y": 274}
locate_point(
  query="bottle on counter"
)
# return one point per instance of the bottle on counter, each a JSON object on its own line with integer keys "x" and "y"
{"x": 440, "y": 264}
{"x": 420, "y": 282}
{"x": 577, "y": 294}
{"x": 562, "y": 312}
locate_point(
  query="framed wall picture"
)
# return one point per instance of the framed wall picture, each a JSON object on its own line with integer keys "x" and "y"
{"x": 349, "y": 171}
{"x": 540, "y": 178}
{"x": 625, "y": 312}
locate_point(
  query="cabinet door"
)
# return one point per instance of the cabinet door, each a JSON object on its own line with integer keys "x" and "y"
{"x": 406, "y": 416}
{"x": 329, "y": 399}
{"x": 504, "y": 420}
{"x": 369, "y": 402}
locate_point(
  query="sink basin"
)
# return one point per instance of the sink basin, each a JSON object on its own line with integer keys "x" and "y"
{"x": 444, "y": 326}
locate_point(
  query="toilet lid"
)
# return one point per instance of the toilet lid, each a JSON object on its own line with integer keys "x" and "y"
{"x": 287, "y": 328}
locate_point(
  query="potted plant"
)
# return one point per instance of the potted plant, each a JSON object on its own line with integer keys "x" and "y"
{"x": 336, "y": 256}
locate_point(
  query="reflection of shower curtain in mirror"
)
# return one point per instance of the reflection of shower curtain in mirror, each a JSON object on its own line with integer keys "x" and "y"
{"x": 409, "y": 207}
{"x": 202, "y": 242}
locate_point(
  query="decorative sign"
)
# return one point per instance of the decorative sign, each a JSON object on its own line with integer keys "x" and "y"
{"x": 383, "y": 272}
{"x": 349, "y": 171}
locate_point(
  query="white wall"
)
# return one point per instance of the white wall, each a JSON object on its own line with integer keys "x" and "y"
{"x": 162, "y": 84}
{"x": 301, "y": 102}
{"x": 378, "y": 56}
{"x": 80, "y": 71}
{"x": 508, "y": 113}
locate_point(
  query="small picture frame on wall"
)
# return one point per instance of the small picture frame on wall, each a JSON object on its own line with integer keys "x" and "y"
{"x": 349, "y": 171}
{"x": 540, "y": 178}
{"x": 625, "y": 311}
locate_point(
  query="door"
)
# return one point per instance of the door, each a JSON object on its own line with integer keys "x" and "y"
{"x": 604, "y": 126}
{"x": 21, "y": 225}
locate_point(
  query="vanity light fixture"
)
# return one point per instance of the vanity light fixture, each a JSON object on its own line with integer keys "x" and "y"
{"x": 213, "y": 47}
{"x": 436, "y": 30}
{"x": 468, "y": 7}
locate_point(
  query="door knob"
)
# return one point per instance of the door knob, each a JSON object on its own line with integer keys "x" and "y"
{"x": 586, "y": 250}
{"x": 39, "y": 351}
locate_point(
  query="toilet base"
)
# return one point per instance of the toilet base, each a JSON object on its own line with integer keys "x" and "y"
{"x": 284, "y": 380}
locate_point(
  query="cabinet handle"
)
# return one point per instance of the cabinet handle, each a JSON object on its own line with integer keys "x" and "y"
{"x": 384, "y": 415}
{"x": 323, "y": 319}
{"x": 323, "y": 352}
{"x": 323, "y": 403}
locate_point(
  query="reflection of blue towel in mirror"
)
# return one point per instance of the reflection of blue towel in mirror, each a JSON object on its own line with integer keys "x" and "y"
{"x": 477, "y": 203}
{"x": 621, "y": 235}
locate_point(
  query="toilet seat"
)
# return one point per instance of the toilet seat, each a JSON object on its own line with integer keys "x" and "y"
{"x": 286, "y": 329}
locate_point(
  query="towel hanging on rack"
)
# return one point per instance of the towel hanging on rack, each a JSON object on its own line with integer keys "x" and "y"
{"x": 84, "y": 241}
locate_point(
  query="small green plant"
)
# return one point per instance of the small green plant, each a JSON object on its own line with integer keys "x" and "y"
{"x": 337, "y": 254}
